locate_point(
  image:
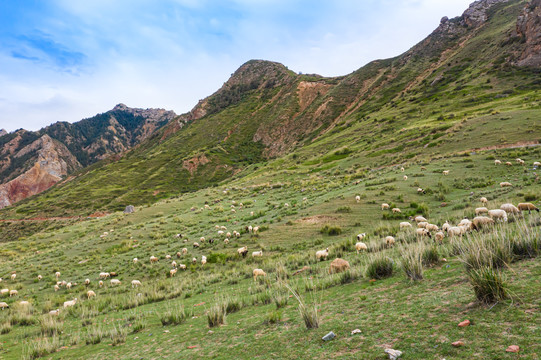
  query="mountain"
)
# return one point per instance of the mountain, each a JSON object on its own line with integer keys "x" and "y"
{"x": 31, "y": 162}
{"x": 458, "y": 83}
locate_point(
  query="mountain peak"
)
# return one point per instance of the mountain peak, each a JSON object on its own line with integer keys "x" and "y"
{"x": 3, "y": 132}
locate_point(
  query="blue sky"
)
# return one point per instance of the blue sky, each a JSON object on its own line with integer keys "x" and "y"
{"x": 65, "y": 60}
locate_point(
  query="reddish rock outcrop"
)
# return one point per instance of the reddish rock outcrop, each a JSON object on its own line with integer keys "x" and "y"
{"x": 529, "y": 29}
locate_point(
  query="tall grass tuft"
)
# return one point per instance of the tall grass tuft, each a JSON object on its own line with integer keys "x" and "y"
{"x": 173, "y": 315}
{"x": 118, "y": 335}
{"x": 50, "y": 326}
{"x": 217, "y": 314}
{"x": 308, "y": 313}
{"x": 379, "y": 267}
{"x": 37, "y": 348}
{"x": 487, "y": 250}
{"x": 412, "y": 261}
{"x": 488, "y": 284}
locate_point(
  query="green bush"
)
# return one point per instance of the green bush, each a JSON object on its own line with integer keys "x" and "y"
{"x": 379, "y": 267}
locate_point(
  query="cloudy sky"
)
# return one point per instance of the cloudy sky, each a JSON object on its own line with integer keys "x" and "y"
{"x": 64, "y": 60}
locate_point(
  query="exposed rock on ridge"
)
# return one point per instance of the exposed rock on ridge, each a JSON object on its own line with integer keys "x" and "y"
{"x": 529, "y": 29}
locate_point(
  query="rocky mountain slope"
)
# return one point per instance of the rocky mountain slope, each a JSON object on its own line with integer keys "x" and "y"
{"x": 387, "y": 111}
{"x": 31, "y": 162}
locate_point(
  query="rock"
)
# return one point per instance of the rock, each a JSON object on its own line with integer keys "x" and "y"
{"x": 338, "y": 265}
{"x": 464, "y": 323}
{"x": 129, "y": 209}
{"x": 513, "y": 349}
{"x": 529, "y": 30}
{"x": 210, "y": 332}
{"x": 444, "y": 20}
{"x": 458, "y": 343}
{"x": 329, "y": 336}
{"x": 356, "y": 331}
{"x": 393, "y": 354}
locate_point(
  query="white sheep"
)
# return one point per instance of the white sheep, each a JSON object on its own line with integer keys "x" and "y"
{"x": 68, "y": 285}
{"x": 174, "y": 264}
{"x": 90, "y": 294}
{"x": 396, "y": 210}
{"x": 498, "y": 214}
{"x": 508, "y": 163}
{"x": 135, "y": 283}
{"x": 405, "y": 177}
{"x": 56, "y": 287}
{"x": 497, "y": 162}
{"x": 195, "y": 245}
{"x": 194, "y": 260}
{"x": 446, "y": 226}
{"x": 255, "y": 230}
{"x": 527, "y": 207}
{"x": 257, "y": 253}
{"x": 465, "y": 222}
{"x": 420, "y": 218}
{"x": 439, "y": 236}
{"x": 220, "y": 232}
{"x": 226, "y": 241}
{"x": 361, "y": 236}
{"x": 243, "y": 251}
{"x": 510, "y": 208}
{"x": 202, "y": 239}
{"x": 322, "y": 254}
{"x": 203, "y": 260}
{"x": 481, "y": 210}
{"x": 357, "y": 198}
{"x": 390, "y": 240}
{"x": 54, "y": 312}
{"x": 182, "y": 266}
{"x": 228, "y": 235}
{"x": 172, "y": 272}
{"x": 184, "y": 251}
{"x": 4, "y": 292}
{"x": 402, "y": 169}
{"x": 422, "y": 224}
{"x": 445, "y": 172}
{"x": 537, "y": 164}
{"x": 484, "y": 200}
{"x": 422, "y": 232}
{"x": 13, "y": 293}
{"x": 135, "y": 260}
{"x": 385, "y": 206}
{"x": 70, "y": 303}
{"x": 104, "y": 275}
{"x": 454, "y": 231}
{"x": 87, "y": 282}
{"x": 115, "y": 282}
{"x": 3, "y": 305}
{"x": 13, "y": 276}
{"x": 420, "y": 191}
{"x": 167, "y": 257}
{"x": 258, "y": 272}
{"x": 505, "y": 184}
{"x": 405, "y": 225}
{"x": 432, "y": 227}
{"x": 100, "y": 284}
{"x": 360, "y": 246}
{"x": 40, "y": 277}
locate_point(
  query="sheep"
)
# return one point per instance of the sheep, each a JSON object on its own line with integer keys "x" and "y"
{"x": 178, "y": 236}
{"x": 237, "y": 234}
{"x": 203, "y": 260}
{"x": 432, "y": 227}
{"x": 255, "y": 230}
{"x": 464, "y": 222}
{"x": 135, "y": 260}
{"x": 68, "y": 285}
{"x": 13, "y": 276}
{"x": 40, "y": 277}
{"x": 420, "y": 191}
{"x": 257, "y": 253}
{"x": 167, "y": 257}
{"x": 13, "y": 293}
{"x": 90, "y": 294}
{"x": 220, "y": 232}
{"x": 402, "y": 169}
{"x": 87, "y": 282}
{"x": 420, "y": 218}
{"x": 250, "y": 228}
{"x": 445, "y": 172}
{"x": 105, "y": 275}
{"x": 357, "y": 198}
{"x": 322, "y": 254}
{"x": 405, "y": 177}
{"x": 536, "y": 164}
{"x": 405, "y": 225}
{"x": 454, "y": 231}
{"x": 508, "y": 163}
{"x": 223, "y": 227}
{"x": 510, "y": 208}
{"x": 24, "y": 303}
{"x": 439, "y": 236}
{"x": 396, "y": 210}
{"x": 100, "y": 284}
{"x": 445, "y": 226}
{"x": 135, "y": 283}
{"x": 497, "y": 162}
{"x": 182, "y": 266}
{"x": 4, "y": 292}
{"x": 360, "y": 246}
{"x": 258, "y": 272}
{"x": 172, "y": 272}
{"x": 195, "y": 245}
{"x": 70, "y": 303}
{"x": 390, "y": 241}
{"x": 484, "y": 200}
{"x": 519, "y": 160}
{"x": 57, "y": 275}
{"x": 385, "y": 206}
{"x": 527, "y": 206}
{"x": 63, "y": 283}
{"x": 481, "y": 210}
{"x": 3, "y": 305}
{"x": 243, "y": 251}
{"x": 174, "y": 264}
{"x": 202, "y": 239}
{"x": 56, "y": 287}
{"x": 481, "y": 221}
{"x": 422, "y": 232}
{"x": 422, "y": 224}
{"x": 423, "y": 168}
{"x": 54, "y": 312}
{"x": 228, "y": 235}
{"x": 115, "y": 282}
{"x": 184, "y": 251}
{"x": 361, "y": 236}
{"x": 498, "y": 214}
{"x": 194, "y": 260}
{"x": 226, "y": 241}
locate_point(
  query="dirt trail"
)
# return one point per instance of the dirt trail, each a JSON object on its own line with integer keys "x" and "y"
{"x": 95, "y": 215}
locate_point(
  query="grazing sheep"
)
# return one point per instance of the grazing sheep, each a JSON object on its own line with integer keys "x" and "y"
{"x": 385, "y": 206}
{"x": 338, "y": 265}
{"x": 257, "y": 253}
{"x": 243, "y": 251}
{"x": 422, "y": 224}
{"x": 361, "y": 236}
{"x": 57, "y": 274}
{"x": 220, "y": 232}
{"x": 396, "y": 210}
{"x": 223, "y": 227}
{"x": 405, "y": 177}
{"x": 258, "y": 272}
{"x": 13, "y": 293}
{"x": 519, "y": 160}
{"x": 423, "y": 168}
{"x": 497, "y": 162}
{"x": 184, "y": 251}
{"x": 194, "y": 260}
{"x": 465, "y": 222}
{"x": 178, "y": 236}
{"x": 527, "y": 206}
{"x": 70, "y": 303}
{"x": 202, "y": 239}
{"x": 484, "y": 200}
{"x": 402, "y": 169}
{"x": 203, "y": 260}
{"x": 536, "y": 164}
{"x": 90, "y": 294}
{"x": 87, "y": 282}
{"x": 195, "y": 245}
{"x": 100, "y": 284}
{"x": 498, "y": 214}
{"x": 3, "y": 305}
{"x": 56, "y": 287}
{"x": 420, "y": 191}
{"x": 445, "y": 226}
{"x": 167, "y": 257}
{"x": 322, "y": 254}
{"x": 228, "y": 235}
{"x": 250, "y": 228}
{"x": 405, "y": 225}
{"x": 255, "y": 230}
{"x": 454, "y": 231}
{"x": 135, "y": 260}
{"x": 510, "y": 209}
{"x": 105, "y": 275}
{"x": 390, "y": 241}
{"x": 54, "y": 312}
{"x": 115, "y": 282}
{"x": 445, "y": 172}
{"x": 481, "y": 210}
{"x": 13, "y": 276}
{"x": 357, "y": 198}
{"x": 182, "y": 266}
{"x": 508, "y": 163}
{"x": 439, "y": 236}
{"x": 4, "y": 292}
{"x": 24, "y": 303}
{"x": 63, "y": 283}
{"x": 360, "y": 246}
{"x": 226, "y": 241}
{"x": 432, "y": 227}
{"x": 481, "y": 221}
{"x": 174, "y": 264}
{"x": 135, "y": 283}
{"x": 40, "y": 277}
{"x": 420, "y": 218}
{"x": 422, "y": 232}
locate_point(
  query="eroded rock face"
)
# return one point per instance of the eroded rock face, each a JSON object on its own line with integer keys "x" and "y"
{"x": 529, "y": 28}
{"x": 53, "y": 161}
{"x": 476, "y": 14}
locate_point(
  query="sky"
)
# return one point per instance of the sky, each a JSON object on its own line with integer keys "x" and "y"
{"x": 65, "y": 60}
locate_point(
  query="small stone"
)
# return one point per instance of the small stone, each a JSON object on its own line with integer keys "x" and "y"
{"x": 458, "y": 343}
{"x": 356, "y": 331}
{"x": 166, "y": 331}
{"x": 329, "y": 336}
{"x": 513, "y": 348}
{"x": 393, "y": 354}
{"x": 129, "y": 209}
{"x": 210, "y": 332}
{"x": 464, "y": 323}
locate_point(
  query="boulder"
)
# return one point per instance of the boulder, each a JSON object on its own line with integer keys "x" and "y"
{"x": 129, "y": 209}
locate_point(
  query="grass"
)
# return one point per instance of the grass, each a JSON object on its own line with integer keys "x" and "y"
{"x": 488, "y": 284}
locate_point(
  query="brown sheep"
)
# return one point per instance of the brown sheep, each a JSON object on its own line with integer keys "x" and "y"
{"x": 527, "y": 206}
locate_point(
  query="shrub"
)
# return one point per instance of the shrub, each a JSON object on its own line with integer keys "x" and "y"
{"x": 488, "y": 284}
{"x": 412, "y": 261}
{"x": 233, "y": 304}
{"x": 173, "y": 316}
{"x": 273, "y": 317}
{"x": 5, "y": 327}
{"x": 308, "y": 313}
{"x": 37, "y": 348}
{"x": 118, "y": 335}
{"x": 216, "y": 315}
{"x": 431, "y": 256}
{"x": 331, "y": 230}
{"x": 50, "y": 325}
{"x": 489, "y": 250}
{"x": 379, "y": 267}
